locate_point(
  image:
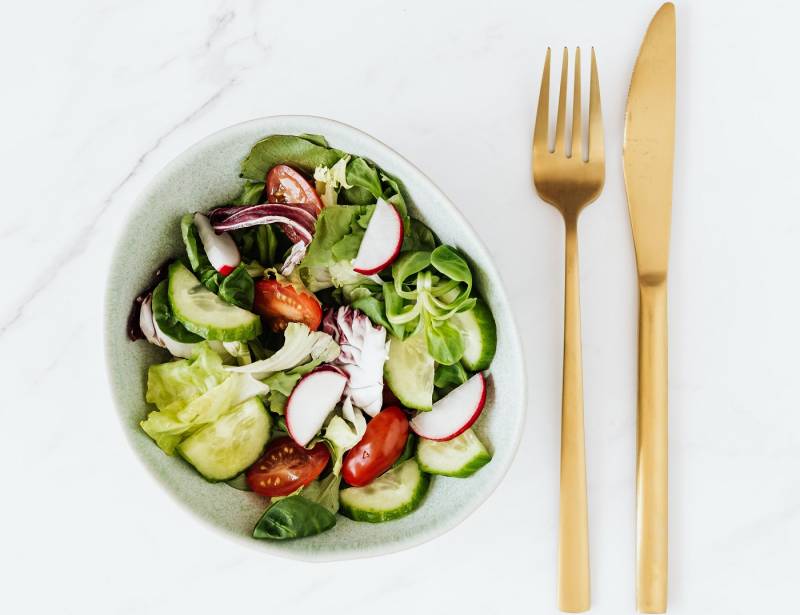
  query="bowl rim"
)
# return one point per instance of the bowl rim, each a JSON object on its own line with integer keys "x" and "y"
{"x": 400, "y": 166}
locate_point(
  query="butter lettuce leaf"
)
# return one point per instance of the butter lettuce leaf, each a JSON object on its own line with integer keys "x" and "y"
{"x": 193, "y": 393}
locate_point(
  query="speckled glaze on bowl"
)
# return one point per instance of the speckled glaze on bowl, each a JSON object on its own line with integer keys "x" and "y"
{"x": 206, "y": 175}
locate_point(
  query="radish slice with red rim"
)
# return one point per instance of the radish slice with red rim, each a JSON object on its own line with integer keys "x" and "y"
{"x": 454, "y": 413}
{"x": 220, "y": 248}
{"x": 312, "y": 400}
{"x": 382, "y": 240}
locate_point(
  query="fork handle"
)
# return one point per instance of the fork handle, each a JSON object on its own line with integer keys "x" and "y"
{"x": 573, "y": 531}
{"x": 651, "y": 450}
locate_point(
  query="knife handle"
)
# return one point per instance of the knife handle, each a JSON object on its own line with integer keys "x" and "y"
{"x": 573, "y": 531}
{"x": 652, "y": 450}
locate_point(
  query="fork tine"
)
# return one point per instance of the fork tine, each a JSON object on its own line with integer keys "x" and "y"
{"x": 562, "y": 104}
{"x": 595, "y": 117}
{"x": 542, "y": 111}
{"x": 576, "y": 108}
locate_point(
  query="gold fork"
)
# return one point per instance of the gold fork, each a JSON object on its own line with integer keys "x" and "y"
{"x": 569, "y": 183}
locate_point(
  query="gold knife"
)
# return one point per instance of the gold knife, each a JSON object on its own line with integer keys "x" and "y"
{"x": 648, "y": 152}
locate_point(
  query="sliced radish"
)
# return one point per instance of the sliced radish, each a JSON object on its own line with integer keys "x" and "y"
{"x": 221, "y": 249}
{"x": 382, "y": 240}
{"x": 454, "y": 413}
{"x": 311, "y": 401}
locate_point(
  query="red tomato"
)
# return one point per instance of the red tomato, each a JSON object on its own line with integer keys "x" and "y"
{"x": 286, "y": 466}
{"x": 285, "y": 185}
{"x": 281, "y": 304}
{"x": 382, "y": 444}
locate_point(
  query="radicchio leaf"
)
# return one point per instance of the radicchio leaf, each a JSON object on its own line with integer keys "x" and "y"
{"x": 363, "y": 353}
{"x": 294, "y": 216}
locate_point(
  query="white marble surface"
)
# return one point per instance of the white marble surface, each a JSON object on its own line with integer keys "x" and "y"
{"x": 100, "y": 95}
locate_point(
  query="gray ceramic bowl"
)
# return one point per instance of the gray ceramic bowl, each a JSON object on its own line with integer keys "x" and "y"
{"x": 206, "y": 175}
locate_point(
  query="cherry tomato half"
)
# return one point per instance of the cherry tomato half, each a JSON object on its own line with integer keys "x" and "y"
{"x": 285, "y": 185}
{"x": 286, "y": 466}
{"x": 281, "y": 304}
{"x": 382, "y": 444}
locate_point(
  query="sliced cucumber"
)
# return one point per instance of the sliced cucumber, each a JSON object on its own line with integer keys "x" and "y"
{"x": 165, "y": 319}
{"x": 460, "y": 457}
{"x": 391, "y": 496}
{"x": 229, "y": 445}
{"x": 479, "y": 334}
{"x": 203, "y": 313}
{"x": 409, "y": 371}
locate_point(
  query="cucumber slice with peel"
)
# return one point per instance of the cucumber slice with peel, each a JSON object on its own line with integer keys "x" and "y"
{"x": 231, "y": 444}
{"x": 460, "y": 457}
{"x": 203, "y": 313}
{"x": 479, "y": 333}
{"x": 390, "y": 496}
{"x": 409, "y": 371}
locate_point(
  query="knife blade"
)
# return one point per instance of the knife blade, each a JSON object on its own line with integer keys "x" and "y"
{"x": 648, "y": 153}
{"x": 649, "y": 143}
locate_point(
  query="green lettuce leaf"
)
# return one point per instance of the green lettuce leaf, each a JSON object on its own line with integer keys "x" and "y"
{"x": 192, "y": 393}
{"x": 250, "y": 194}
{"x": 281, "y": 384}
{"x": 342, "y": 435}
{"x": 300, "y": 346}
{"x": 338, "y": 235}
{"x": 302, "y": 153}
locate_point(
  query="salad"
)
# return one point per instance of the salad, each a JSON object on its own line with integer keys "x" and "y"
{"x": 327, "y": 351}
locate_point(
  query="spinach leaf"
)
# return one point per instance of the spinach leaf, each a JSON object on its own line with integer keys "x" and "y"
{"x": 250, "y": 194}
{"x": 259, "y": 243}
{"x": 298, "y": 152}
{"x": 162, "y": 313}
{"x": 238, "y": 288}
{"x": 294, "y": 517}
{"x": 419, "y": 237}
{"x": 444, "y": 342}
{"x": 191, "y": 240}
{"x": 209, "y": 277}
